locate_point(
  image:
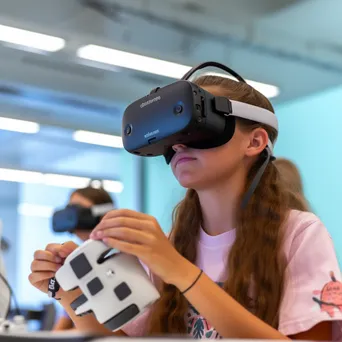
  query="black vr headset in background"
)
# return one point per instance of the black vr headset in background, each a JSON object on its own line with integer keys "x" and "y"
{"x": 184, "y": 113}
{"x": 76, "y": 217}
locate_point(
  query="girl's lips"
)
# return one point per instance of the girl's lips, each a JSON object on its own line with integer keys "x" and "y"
{"x": 184, "y": 160}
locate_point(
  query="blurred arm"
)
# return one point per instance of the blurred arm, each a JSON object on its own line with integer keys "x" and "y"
{"x": 64, "y": 323}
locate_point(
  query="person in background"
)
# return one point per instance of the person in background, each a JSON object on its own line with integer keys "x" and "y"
{"x": 86, "y": 197}
{"x": 293, "y": 183}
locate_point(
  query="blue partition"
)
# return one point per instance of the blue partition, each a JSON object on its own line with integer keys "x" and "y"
{"x": 162, "y": 191}
{"x": 310, "y": 135}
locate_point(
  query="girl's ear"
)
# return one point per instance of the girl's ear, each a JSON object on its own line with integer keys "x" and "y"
{"x": 258, "y": 140}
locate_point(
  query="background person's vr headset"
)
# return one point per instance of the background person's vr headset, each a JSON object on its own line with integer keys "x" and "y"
{"x": 75, "y": 217}
{"x": 184, "y": 113}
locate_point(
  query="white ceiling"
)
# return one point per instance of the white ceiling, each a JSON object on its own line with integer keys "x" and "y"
{"x": 295, "y": 45}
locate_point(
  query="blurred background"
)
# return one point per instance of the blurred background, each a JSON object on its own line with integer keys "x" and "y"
{"x": 66, "y": 75}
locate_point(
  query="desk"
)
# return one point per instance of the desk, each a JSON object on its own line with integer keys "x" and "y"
{"x": 76, "y": 337}
{"x": 46, "y": 336}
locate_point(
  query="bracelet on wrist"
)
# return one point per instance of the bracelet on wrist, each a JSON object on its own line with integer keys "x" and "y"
{"x": 194, "y": 283}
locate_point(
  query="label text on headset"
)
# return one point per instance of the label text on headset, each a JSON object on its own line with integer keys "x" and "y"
{"x": 155, "y": 99}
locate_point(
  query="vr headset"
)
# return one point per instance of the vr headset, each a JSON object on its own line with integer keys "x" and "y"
{"x": 184, "y": 113}
{"x": 76, "y": 217}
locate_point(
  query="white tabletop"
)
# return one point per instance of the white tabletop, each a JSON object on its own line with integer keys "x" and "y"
{"x": 74, "y": 336}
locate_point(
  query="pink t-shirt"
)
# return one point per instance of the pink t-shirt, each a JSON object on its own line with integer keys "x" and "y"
{"x": 312, "y": 294}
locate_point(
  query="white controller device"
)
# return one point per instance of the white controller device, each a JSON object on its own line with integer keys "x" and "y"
{"x": 15, "y": 326}
{"x": 115, "y": 287}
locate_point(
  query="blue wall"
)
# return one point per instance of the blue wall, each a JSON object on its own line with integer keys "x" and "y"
{"x": 310, "y": 135}
{"x": 129, "y": 176}
{"x": 163, "y": 191}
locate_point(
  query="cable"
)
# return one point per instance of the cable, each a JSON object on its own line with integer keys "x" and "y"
{"x": 257, "y": 177}
{"x": 18, "y": 312}
{"x": 216, "y": 65}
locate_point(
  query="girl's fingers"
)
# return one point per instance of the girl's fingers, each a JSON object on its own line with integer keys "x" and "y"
{"x": 36, "y": 277}
{"x": 46, "y": 256}
{"x": 118, "y": 222}
{"x": 45, "y": 266}
{"x": 126, "y": 213}
{"x": 53, "y": 248}
{"x": 125, "y": 247}
{"x": 67, "y": 248}
{"x": 61, "y": 250}
{"x": 126, "y": 234}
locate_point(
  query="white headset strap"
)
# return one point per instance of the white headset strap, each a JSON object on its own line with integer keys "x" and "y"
{"x": 250, "y": 112}
{"x": 101, "y": 209}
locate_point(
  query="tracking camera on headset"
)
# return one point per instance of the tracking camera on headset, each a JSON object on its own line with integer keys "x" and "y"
{"x": 76, "y": 217}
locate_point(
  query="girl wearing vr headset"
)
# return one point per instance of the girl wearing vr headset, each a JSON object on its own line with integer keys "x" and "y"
{"x": 265, "y": 271}
{"x": 85, "y": 197}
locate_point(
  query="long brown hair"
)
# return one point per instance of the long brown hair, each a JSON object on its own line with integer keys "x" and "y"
{"x": 293, "y": 183}
{"x": 255, "y": 257}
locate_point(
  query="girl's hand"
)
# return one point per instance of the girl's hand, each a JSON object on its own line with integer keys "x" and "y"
{"x": 139, "y": 234}
{"x": 47, "y": 262}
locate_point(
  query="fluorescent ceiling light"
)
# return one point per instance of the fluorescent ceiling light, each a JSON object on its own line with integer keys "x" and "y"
{"x": 267, "y": 90}
{"x": 71, "y": 182}
{"x": 153, "y": 65}
{"x": 98, "y": 139}
{"x": 36, "y": 210}
{"x": 63, "y": 181}
{"x": 18, "y": 125}
{"x": 132, "y": 61}
{"x": 31, "y": 39}
{"x": 113, "y": 186}
{"x": 20, "y": 176}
